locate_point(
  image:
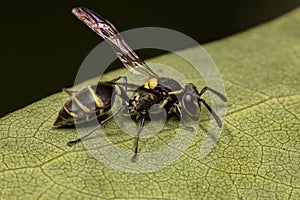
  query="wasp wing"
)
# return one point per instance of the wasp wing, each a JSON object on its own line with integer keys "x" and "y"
{"x": 108, "y": 32}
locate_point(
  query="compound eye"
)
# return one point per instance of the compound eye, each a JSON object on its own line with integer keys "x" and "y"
{"x": 188, "y": 98}
{"x": 190, "y": 104}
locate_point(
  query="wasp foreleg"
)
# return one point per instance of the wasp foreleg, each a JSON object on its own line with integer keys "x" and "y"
{"x": 214, "y": 114}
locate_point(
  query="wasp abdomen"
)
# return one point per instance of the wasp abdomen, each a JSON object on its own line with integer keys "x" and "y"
{"x": 87, "y": 104}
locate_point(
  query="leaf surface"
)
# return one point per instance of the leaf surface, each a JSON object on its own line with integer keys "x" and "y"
{"x": 256, "y": 156}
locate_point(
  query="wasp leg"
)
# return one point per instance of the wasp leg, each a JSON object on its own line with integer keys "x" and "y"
{"x": 118, "y": 78}
{"x": 124, "y": 88}
{"x": 102, "y": 123}
{"x": 121, "y": 91}
{"x": 137, "y": 139}
{"x": 221, "y": 96}
{"x": 214, "y": 114}
{"x": 179, "y": 114}
{"x": 69, "y": 91}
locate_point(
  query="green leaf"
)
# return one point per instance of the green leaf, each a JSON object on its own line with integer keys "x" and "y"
{"x": 256, "y": 156}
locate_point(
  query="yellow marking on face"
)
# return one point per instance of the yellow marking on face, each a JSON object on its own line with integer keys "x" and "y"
{"x": 70, "y": 112}
{"x": 83, "y": 107}
{"x": 98, "y": 101}
{"x": 151, "y": 84}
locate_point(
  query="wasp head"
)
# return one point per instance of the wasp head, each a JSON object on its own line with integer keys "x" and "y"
{"x": 190, "y": 101}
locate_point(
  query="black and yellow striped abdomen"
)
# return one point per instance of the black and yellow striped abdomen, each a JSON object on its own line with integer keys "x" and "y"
{"x": 87, "y": 104}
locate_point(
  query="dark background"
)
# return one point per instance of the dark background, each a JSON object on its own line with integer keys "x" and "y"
{"x": 43, "y": 44}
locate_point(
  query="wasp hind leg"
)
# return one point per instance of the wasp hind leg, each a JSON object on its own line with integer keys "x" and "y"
{"x": 102, "y": 124}
{"x": 123, "y": 94}
{"x": 141, "y": 126}
{"x": 122, "y": 88}
{"x": 69, "y": 91}
{"x": 118, "y": 78}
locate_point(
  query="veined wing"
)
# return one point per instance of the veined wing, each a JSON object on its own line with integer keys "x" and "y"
{"x": 108, "y": 32}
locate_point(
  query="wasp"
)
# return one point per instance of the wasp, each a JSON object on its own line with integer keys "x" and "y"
{"x": 156, "y": 94}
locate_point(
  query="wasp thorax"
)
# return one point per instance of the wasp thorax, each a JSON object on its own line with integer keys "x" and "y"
{"x": 141, "y": 102}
